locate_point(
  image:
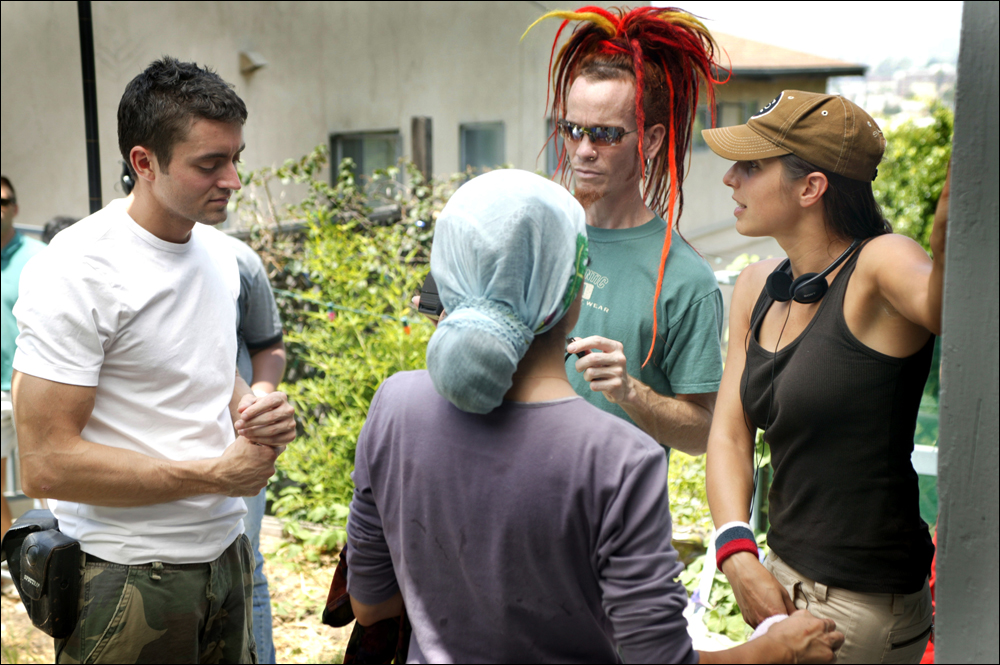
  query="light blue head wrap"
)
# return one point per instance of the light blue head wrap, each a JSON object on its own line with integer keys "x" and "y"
{"x": 508, "y": 258}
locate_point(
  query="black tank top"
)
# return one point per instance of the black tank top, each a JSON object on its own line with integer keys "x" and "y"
{"x": 844, "y": 503}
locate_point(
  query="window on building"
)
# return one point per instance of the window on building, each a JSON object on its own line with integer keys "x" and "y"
{"x": 735, "y": 113}
{"x": 370, "y": 151}
{"x": 702, "y": 120}
{"x": 552, "y": 149}
{"x": 481, "y": 145}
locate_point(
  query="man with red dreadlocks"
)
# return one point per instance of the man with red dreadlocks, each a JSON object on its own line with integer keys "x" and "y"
{"x": 626, "y": 91}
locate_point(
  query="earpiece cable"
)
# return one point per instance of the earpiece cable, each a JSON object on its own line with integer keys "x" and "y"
{"x": 758, "y": 458}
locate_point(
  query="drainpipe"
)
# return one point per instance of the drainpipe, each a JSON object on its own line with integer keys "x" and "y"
{"x": 90, "y": 105}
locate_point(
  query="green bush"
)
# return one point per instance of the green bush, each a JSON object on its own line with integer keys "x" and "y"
{"x": 912, "y": 174}
{"x": 688, "y": 500}
{"x": 344, "y": 285}
{"x": 722, "y": 614}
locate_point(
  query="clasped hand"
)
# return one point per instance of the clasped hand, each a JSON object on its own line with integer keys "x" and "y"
{"x": 267, "y": 420}
{"x": 265, "y": 425}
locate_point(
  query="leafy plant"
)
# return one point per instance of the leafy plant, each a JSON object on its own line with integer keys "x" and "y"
{"x": 688, "y": 500}
{"x": 722, "y": 615}
{"x": 912, "y": 174}
{"x": 344, "y": 284}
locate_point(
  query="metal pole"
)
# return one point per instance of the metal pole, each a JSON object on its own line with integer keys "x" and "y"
{"x": 90, "y": 105}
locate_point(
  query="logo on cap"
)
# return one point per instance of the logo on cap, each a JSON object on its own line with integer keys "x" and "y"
{"x": 770, "y": 107}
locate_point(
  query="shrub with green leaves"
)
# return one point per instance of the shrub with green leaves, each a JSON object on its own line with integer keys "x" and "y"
{"x": 358, "y": 329}
{"x": 688, "y": 499}
{"x": 912, "y": 174}
{"x": 722, "y": 614}
{"x": 344, "y": 285}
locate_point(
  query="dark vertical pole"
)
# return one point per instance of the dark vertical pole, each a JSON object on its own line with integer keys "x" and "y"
{"x": 90, "y": 104}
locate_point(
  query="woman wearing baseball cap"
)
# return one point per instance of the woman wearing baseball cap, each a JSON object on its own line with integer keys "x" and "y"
{"x": 828, "y": 354}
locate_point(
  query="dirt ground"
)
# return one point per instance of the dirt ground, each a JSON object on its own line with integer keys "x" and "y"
{"x": 298, "y": 592}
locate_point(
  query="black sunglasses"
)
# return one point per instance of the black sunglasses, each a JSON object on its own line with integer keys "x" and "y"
{"x": 6, "y": 202}
{"x": 571, "y": 131}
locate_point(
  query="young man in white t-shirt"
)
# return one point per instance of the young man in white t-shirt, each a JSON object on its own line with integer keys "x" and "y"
{"x": 127, "y": 396}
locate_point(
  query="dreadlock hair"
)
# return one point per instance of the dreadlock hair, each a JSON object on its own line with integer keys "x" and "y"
{"x": 669, "y": 54}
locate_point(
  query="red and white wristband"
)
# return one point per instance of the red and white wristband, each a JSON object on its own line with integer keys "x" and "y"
{"x": 734, "y": 537}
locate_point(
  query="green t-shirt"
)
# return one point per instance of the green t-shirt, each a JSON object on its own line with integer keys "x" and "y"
{"x": 12, "y": 260}
{"x": 617, "y": 304}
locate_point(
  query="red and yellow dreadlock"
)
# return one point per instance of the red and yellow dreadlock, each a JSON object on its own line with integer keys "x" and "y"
{"x": 670, "y": 54}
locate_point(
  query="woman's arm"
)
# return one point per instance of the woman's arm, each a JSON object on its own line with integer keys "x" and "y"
{"x": 907, "y": 279}
{"x": 729, "y": 465}
{"x": 371, "y": 578}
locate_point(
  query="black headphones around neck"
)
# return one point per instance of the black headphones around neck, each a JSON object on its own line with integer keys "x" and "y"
{"x": 807, "y": 288}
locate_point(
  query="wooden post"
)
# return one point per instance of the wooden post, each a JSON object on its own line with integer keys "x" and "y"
{"x": 422, "y": 134}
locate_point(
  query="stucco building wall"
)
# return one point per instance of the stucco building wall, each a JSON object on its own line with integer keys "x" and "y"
{"x": 331, "y": 67}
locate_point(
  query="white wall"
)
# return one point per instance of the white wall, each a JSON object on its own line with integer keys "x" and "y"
{"x": 42, "y": 147}
{"x": 332, "y": 67}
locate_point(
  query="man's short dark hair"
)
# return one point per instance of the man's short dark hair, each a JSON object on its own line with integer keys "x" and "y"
{"x": 159, "y": 104}
{"x": 6, "y": 183}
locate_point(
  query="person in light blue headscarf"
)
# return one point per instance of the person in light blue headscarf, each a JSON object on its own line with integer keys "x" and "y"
{"x": 508, "y": 261}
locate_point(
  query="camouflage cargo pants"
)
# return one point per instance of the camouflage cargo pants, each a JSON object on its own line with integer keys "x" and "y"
{"x": 165, "y": 613}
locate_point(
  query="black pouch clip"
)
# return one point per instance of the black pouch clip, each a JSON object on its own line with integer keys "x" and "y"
{"x": 45, "y": 567}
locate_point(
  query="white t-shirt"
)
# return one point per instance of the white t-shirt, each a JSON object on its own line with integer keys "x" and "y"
{"x": 152, "y": 324}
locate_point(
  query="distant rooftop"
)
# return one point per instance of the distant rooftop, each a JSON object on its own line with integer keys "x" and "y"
{"x": 758, "y": 60}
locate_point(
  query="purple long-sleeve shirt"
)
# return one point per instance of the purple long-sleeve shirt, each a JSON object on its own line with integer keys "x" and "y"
{"x": 536, "y": 533}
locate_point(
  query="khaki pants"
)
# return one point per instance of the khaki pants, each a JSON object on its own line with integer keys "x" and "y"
{"x": 878, "y": 627}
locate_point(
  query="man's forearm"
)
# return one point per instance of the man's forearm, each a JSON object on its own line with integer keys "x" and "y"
{"x": 670, "y": 421}
{"x": 56, "y": 462}
{"x": 86, "y": 472}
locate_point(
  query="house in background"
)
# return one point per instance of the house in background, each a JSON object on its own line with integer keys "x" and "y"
{"x": 352, "y": 75}
{"x": 448, "y": 84}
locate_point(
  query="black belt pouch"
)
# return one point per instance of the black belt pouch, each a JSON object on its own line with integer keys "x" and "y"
{"x": 45, "y": 567}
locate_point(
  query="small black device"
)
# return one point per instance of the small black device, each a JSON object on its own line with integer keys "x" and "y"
{"x": 807, "y": 288}
{"x": 430, "y": 303}
{"x": 45, "y": 566}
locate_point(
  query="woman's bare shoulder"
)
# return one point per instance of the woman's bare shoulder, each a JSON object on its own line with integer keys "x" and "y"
{"x": 752, "y": 278}
{"x": 749, "y": 285}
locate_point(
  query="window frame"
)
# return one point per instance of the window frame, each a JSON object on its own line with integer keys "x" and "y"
{"x": 362, "y": 172}
{"x": 463, "y": 161}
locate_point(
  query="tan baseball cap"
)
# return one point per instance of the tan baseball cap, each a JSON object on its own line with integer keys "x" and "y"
{"x": 826, "y": 130}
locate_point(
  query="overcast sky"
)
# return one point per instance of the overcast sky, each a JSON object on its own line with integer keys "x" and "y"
{"x": 863, "y": 32}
